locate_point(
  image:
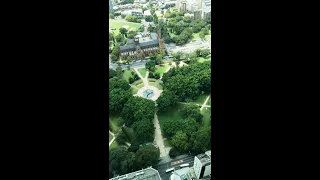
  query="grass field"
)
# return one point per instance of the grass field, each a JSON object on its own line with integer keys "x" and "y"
{"x": 162, "y": 69}
{"x": 113, "y": 119}
{"x": 140, "y": 85}
{"x": 143, "y": 72}
{"x": 172, "y": 113}
{"x": 206, "y": 117}
{"x": 209, "y": 101}
{"x": 127, "y": 74}
{"x": 196, "y": 35}
{"x": 201, "y": 60}
{"x": 151, "y": 84}
{"x": 134, "y": 90}
{"x": 137, "y": 82}
{"x": 119, "y": 24}
{"x": 113, "y": 145}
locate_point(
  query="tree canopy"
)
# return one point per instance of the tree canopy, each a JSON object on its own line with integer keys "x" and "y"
{"x": 192, "y": 111}
{"x": 118, "y": 83}
{"x": 144, "y": 130}
{"x": 117, "y": 98}
{"x": 180, "y": 141}
{"x": 166, "y": 100}
{"x": 147, "y": 156}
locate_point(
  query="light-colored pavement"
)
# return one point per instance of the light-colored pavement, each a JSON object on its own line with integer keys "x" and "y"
{"x": 114, "y": 137}
{"x": 157, "y": 92}
{"x": 205, "y": 102}
{"x": 134, "y": 86}
{"x": 158, "y": 136}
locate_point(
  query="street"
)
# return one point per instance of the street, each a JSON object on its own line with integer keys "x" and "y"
{"x": 174, "y": 164}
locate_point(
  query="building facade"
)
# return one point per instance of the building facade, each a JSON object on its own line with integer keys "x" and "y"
{"x": 202, "y": 165}
{"x": 144, "y": 174}
{"x": 110, "y": 6}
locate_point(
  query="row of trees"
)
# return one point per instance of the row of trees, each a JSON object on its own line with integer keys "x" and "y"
{"x": 123, "y": 161}
{"x": 133, "y": 19}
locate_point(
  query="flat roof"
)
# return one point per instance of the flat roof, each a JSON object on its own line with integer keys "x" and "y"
{"x": 148, "y": 174}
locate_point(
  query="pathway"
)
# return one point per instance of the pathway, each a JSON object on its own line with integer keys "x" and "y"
{"x": 195, "y": 104}
{"x": 158, "y": 136}
{"x": 205, "y": 102}
{"x": 114, "y": 137}
{"x": 134, "y": 86}
{"x": 144, "y": 79}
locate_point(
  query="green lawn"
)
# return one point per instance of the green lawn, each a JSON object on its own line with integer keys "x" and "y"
{"x": 140, "y": 85}
{"x": 127, "y": 74}
{"x": 206, "y": 117}
{"x": 134, "y": 90}
{"x": 129, "y": 133}
{"x": 201, "y": 60}
{"x": 209, "y": 101}
{"x": 143, "y": 72}
{"x": 119, "y": 24}
{"x": 159, "y": 86}
{"x": 137, "y": 82}
{"x": 162, "y": 69}
{"x": 151, "y": 83}
{"x": 200, "y": 100}
{"x": 114, "y": 121}
{"x": 196, "y": 35}
{"x": 172, "y": 113}
{"x": 113, "y": 145}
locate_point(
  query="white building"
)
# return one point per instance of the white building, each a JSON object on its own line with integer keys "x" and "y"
{"x": 144, "y": 174}
{"x": 206, "y": 9}
{"x": 181, "y": 5}
{"x": 202, "y": 165}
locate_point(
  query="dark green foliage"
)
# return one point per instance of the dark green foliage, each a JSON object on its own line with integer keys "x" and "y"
{"x": 157, "y": 75}
{"x": 144, "y": 130}
{"x": 180, "y": 141}
{"x": 118, "y": 83}
{"x": 173, "y": 152}
{"x": 117, "y": 98}
{"x": 128, "y": 165}
{"x": 112, "y": 73}
{"x": 147, "y": 156}
{"x": 150, "y": 65}
{"x": 119, "y": 72}
{"x": 135, "y": 76}
{"x": 171, "y": 126}
{"x": 148, "y": 18}
{"x": 201, "y": 140}
{"x": 134, "y": 147}
{"x": 123, "y": 31}
{"x": 192, "y": 111}
{"x": 131, "y": 80}
{"x": 115, "y": 53}
{"x": 138, "y": 109}
{"x": 116, "y": 156}
{"x": 166, "y": 100}
{"x": 121, "y": 138}
{"x": 133, "y": 19}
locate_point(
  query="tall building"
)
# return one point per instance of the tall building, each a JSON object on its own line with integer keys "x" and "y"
{"x": 206, "y": 9}
{"x": 181, "y": 5}
{"x": 202, "y": 165}
{"x": 110, "y": 6}
{"x": 144, "y": 174}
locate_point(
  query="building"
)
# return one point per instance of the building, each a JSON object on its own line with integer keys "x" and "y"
{"x": 206, "y": 9}
{"x": 110, "y": 6}
{"x": 144, "y": 174}
{"x": 142, "y": 47}
{"x": 137, "y": 12}
{"x": 202, "y": 165}
{"x": 147, "y": 13}
{"x": 181, "y": 5}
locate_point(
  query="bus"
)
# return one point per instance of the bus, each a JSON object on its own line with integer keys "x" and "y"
{"x": 169, "y": 170}
{"x": 184, "y": 165}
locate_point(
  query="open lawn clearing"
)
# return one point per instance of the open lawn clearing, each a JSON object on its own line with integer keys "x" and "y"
{"x": 171, "y": 113}
{"x": 161, "y": 69}
{"x": 143, "y": 72}
{"x": 206, "y": 112}
{"x": 134, "y": 90}
{"x": 113, "y": 145}
{"x": 140, "y": 85}
{"x": 152, "y": 80}
{"x": 127, "y": 74}
{"x": 137, "y": 82}
{"x": 114, "y": 121}
{"x": 119, "y": 24}
{"x": 201, "y": 60}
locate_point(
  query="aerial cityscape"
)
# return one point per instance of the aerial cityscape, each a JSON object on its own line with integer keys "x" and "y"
{"x": 159, "y": 89}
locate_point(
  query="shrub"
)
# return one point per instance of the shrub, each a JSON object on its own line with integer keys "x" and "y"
{"x": 173, "y": 152}
{"x": 131, "y": 80}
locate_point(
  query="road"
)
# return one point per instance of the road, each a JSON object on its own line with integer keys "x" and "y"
{"x": 164, "y": 166}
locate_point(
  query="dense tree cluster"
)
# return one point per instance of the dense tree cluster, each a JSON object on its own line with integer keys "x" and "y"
{"x": 122, "y": 161}
{"x": 133, "y": 19}
{"x": 188, "y": 82}
{"x": 148, "y": 18}
{"x": 166, "y": 100}
{"x": 191, "y": 110}
{"x": 139, "y": 112}
{"x": 115, "y": 53}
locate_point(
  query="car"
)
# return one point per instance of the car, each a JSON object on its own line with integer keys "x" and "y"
{"x": 113, "y": 29}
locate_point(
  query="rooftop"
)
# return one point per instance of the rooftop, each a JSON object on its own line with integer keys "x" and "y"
{"x": 205, "y": 158}
{"x": 144, "y": 174}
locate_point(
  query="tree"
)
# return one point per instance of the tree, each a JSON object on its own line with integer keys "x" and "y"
{"x": 111, "y": 36}
{"x": 205, "y": 53}
{"x": 119, "y": 38}
{"x": 112, "y": 73}
{"x": 136, "y": 109}
{"x": 123, "y": 31}
{"x": 176, "y": 55}
{"x": 150, "y": 65}
{"x": 191, "y": 110}
{"x": 172, "y": 126}
{"x": 118, "y": 83}
{"x": 159, "y": 58}
{"x": 111, "y": 16}
{"x": 131, "y": 80}
{"x": 144, "y": 130}
{"x": 128, "y": 165}
{"x": 173, "y": 152}
{"x": 198, "y": 52}
{"x": 201, "y": 140}
{"x": 180, "y": 141}
{"x": 119, "y": 72}
{"x": 166, "y": 100}
{"x": 148, "y": 18}
{"x": 115, "y": 53}
{"x": 117, "y": 98}
{"x": 116, "y": 156}
{"x": 123, "y": 16}
{"x": 190, "y": 126}
{"x": 147, "y": 156}
{"x": 134, "y": 147}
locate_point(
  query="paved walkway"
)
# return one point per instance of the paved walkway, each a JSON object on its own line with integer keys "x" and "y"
{"x": 114, "y": 137}
{"x": 144, "y": 79}
{"x": 205, "y": 102}
{"x": 158, "y": 136}
{"x": 195, "y": 104}
{"x": 134, "y": 86}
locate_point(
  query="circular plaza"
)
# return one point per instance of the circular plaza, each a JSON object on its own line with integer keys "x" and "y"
{"x": 149, "y": 92}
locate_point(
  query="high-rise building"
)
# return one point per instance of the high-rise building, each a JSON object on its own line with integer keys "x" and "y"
{"x": 144, "y": 174}
{"x": 181, "y": 5}
{"x": 206, "y": 9}
{"x": 202, "y": 165}
{"x": 110, "y": 6}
